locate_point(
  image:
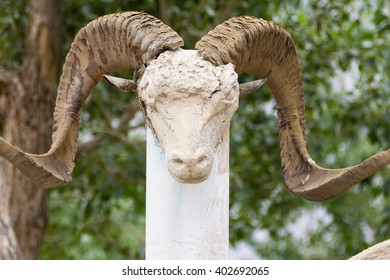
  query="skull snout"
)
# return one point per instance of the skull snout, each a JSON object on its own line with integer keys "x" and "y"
{"x": 190, "y": 168}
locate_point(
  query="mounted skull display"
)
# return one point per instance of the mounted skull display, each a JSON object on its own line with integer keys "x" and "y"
{"x": 188, "y": 103}
{"x": 188, "y": 98}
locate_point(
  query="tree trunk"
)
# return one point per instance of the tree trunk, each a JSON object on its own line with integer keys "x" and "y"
{"x": 27, "y": 100}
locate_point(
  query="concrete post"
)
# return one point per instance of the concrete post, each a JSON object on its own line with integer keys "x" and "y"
{"x": 186, "y": 221}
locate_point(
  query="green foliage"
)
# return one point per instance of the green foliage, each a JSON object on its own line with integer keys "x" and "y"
{"x": 343, "y": 47}
{"x": 12, "y": 30}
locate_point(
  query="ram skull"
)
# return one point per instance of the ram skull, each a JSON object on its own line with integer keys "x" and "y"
{"x": 188, "y": 136}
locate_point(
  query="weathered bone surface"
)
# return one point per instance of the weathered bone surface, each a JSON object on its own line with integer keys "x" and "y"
{"x": 188, "y": 102}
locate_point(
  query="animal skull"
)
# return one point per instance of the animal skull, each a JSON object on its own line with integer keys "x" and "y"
{"x": 188, "y": 98}
{"x": 188, "y": 102}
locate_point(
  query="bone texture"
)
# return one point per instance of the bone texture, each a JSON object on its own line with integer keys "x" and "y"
{"x": 188, "y": 102}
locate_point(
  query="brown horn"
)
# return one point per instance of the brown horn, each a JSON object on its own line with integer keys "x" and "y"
{"x": 251, "y": 87}
{"x": 123, "y": 84}
{"x": 263, "y": 49}
{"x": 107, "y": 44}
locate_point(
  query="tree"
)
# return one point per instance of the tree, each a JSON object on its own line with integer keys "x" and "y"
{"x": 27, "y": 97}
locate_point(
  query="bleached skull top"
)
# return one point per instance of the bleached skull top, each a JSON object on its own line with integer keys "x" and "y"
{"x": 188, "y": 102}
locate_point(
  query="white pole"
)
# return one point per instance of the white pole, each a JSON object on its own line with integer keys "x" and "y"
{"x": 186, "y": 221}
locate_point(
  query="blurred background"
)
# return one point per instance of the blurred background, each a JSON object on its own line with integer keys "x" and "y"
{"x": 344, "y": 49}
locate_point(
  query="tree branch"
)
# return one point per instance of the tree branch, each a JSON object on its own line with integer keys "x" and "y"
{"x": 10, "y": 78}
{"x": 118, "y": 132}
{"x": 163, "y": 11}
{"x": 9, "y": 249}
{"x": 225, "y": 12}
{"x": 9, "y": 83}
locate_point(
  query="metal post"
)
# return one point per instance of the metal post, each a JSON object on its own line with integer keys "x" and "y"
{"x": 186, "y": 221}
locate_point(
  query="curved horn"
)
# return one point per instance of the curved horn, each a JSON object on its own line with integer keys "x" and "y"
{"x": 107, "y": 44}
{"x": 251, "y": 87}
{"x": 122, "y": 84}
{"x": 265, "y": 50}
